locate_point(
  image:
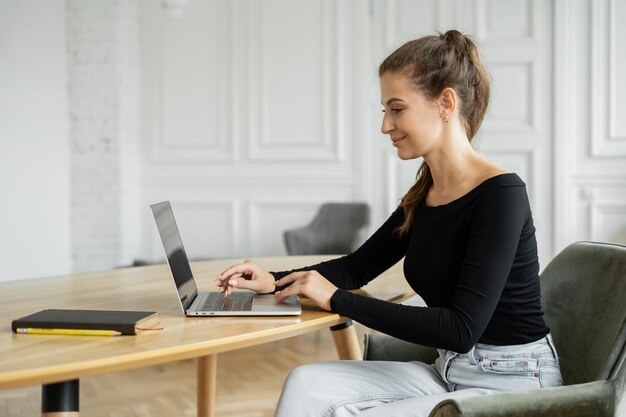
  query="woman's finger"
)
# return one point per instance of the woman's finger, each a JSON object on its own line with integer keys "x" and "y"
{"x": 293, "y": 289}
{"x": 223, "y": 280}
{"x": 237, "y": 269}
{"x": 286, "y": 280}
{"x": 243, "y": 282}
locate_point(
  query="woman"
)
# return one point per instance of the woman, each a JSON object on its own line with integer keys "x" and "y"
{"x": 466, "y": 231}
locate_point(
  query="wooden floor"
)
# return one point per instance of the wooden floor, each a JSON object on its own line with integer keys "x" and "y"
{"x": 249, "y": 384}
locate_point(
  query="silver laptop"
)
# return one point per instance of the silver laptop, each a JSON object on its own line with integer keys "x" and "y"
{"x": 194, "y": 303}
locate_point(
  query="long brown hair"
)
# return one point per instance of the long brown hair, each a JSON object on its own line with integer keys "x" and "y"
{"x": 434, "y": 63}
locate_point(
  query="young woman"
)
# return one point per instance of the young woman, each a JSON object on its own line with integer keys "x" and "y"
{"x": 466, "y": 232}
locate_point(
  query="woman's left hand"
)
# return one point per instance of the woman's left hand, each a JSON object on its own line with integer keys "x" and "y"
{"x": 309, "y": 284}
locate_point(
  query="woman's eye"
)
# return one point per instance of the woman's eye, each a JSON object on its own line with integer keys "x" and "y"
{"x": 396, "y": 110}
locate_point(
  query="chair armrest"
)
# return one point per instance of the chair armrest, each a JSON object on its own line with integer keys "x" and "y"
{"x": 594, "y": 399}
{"x": 381, "y": 347}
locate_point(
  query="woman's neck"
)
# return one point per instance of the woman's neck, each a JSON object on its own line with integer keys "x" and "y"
{"x": 453, "y": 163}
{"x": 456, "y": 169}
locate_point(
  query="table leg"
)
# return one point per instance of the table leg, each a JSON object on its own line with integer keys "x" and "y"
{"x": 207, "y": 375}
{"x": 346, "y": 342}
{"x": 60, "y": 399}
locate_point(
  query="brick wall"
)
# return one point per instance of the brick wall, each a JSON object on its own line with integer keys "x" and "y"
{"x": 104, "y": 110}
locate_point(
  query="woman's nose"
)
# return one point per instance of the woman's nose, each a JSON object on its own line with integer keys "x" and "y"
{"x": 386, "y": 127}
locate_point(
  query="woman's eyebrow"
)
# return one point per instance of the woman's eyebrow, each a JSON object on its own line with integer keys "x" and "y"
{"x": 391, "y": 100}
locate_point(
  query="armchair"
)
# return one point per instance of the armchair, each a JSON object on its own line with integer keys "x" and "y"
{"x": 334, "y": 230}
{"x": 584, "y": 300}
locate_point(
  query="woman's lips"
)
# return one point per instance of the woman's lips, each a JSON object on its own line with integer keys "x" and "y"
{"x": 397, "y": 141}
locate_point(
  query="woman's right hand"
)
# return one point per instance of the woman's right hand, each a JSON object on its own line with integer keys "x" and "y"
{"x": 246, "y": 275}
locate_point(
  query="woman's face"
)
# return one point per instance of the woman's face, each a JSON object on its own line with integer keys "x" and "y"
{"x": 412, "y": 122}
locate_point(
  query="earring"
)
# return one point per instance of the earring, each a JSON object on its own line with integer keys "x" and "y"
{"x": 445, "y": 119}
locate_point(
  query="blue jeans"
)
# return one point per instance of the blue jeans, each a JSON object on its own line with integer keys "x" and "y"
{"x": 379, "y": 388}
{"x": 502, "y": 368}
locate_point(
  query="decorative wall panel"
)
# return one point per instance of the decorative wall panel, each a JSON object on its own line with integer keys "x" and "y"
{"x": 295, "y": 107}
{"x": 505, "y": 18}
{"x": 599, "y": 210}
{"x": 590, "y": 134}
{"x": 267, "y": 221}
{"x": 608, "y": 66}
{"x": 407, "y": 19}
{"x": 608, "y": 222}
{"x": 209, "y": 229}
{"x": 190, "y": 97}
{"x": 512, "y": 97}
{"x": 247, "y": 102}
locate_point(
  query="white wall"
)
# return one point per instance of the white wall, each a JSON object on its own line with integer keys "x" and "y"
{"x": 254, "y": 116}
{"x": 272, "y": 108}
{"x": 34, "y": 144}
{"x": 590, "y": 134}
{"x": 254, "y": 112}
{"x": 104, "y": 108}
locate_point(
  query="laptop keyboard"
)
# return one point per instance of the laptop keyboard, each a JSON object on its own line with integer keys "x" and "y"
{"x": 239, "y": 301}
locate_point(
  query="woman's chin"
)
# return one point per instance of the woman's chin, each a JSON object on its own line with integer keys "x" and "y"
{"x": 405, "y": 156}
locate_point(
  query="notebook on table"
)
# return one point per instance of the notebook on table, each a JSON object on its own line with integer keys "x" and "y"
{"x": 124, "y": 322}
{"x": 194, "y": 303}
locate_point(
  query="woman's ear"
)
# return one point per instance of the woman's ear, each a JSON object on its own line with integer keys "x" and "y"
{"x": 448, "y": 101}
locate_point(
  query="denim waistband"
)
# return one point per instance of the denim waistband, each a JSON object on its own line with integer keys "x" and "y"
{"x": 528, "y": 365}
{"x": 506, "y": 350}
{"x": 513, "y": 349}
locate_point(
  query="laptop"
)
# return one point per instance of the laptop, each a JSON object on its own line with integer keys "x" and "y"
{"x": 194, "y": 303}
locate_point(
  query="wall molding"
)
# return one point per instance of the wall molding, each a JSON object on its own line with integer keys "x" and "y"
{"x": 211, "y": 182}
{"x": 258, "y": 242}
{"x": 566, "y": 64}
{"x": 604, "y": 114}
{"x": 487, "y": 32}
{"x": 526, "y": 121}
{"x": 597, "y": 211}
{"x": 232, "y": 208}
{"x": 393, "y": 20}
{"x": 264, "y": 147}
{"x": 164, "y": 146}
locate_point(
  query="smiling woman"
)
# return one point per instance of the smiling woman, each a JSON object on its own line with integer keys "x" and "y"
{"x": 450, "y": 84}
{"x": 466, "y": 233}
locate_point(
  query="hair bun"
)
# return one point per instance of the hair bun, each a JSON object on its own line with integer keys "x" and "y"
{"x": 453, "y": 34}
{"x": 457, "y": 39}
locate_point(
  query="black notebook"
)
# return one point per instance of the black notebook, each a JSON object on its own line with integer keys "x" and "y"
{"x": 126, "y": 322}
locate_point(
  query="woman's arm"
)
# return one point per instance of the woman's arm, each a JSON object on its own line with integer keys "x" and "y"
{"x": 379, "y": 253}
{"x": 494, "y": 235}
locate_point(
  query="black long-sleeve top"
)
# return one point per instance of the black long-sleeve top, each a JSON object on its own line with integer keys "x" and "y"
{"x": 473, "y": 261}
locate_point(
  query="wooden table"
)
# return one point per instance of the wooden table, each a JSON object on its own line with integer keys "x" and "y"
{"x": 57, "y": 362}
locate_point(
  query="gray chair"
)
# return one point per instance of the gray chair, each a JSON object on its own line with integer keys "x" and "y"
{"x": 584, "y": 300}
{"x": 334, "y": 230}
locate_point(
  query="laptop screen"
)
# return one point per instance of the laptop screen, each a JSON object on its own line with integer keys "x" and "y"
{"x": 175, "y": 252}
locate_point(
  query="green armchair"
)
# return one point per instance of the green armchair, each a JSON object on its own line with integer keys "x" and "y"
{"x": 584, "y": 300}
